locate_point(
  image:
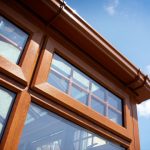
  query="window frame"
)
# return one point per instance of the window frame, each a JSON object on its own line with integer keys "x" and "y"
{"x": 21, "y": 72}
{"x": 17, "y": 113}
{"x": 41, "y": 92}
{"x": 40, "y": 85}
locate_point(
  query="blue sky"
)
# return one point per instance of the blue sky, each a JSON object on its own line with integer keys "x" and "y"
{"x": 126, "y": 25}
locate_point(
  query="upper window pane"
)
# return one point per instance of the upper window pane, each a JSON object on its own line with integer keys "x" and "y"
{"x": 78, "y": 85}
{"x": 61, "y": 66}
{"x": 115, "y": 116}
{"x": 58, "y": 81}
{"x": 114, "y": 101}
{"x": 81, "y": 79}
{"x": 6, "y": 100}
{"x": 12, "y": 40}
{"x": 98, "y": 106}
{"x": 98, "y": 90}
{"x": 79, "y": 94}
{"x": 52, "y": 132}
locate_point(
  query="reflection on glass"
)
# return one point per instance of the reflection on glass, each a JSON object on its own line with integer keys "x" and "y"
{"x": 12, "y": 40}
{"x": 6, "y": 100}
{"x": 114, "y": 101}
{"x": 61, "y": 66}
{"x": 98, "y": 90}
{"x": 115, "y": 116}
{"x": 58, "y": 81}
{"x": 78, "y": 85}
{"x": 81, "y": 79}
{"x": 52, "y": 132}
{"x": 98, "y": 106}
{"x": 79, "y": 94}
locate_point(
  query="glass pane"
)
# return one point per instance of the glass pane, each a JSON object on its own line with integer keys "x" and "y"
{"x": 114, "y": 101}
{"x": 81, "y": 79}
{"x": 12, "y": 40}
{"x": 114, "y": 116}
{"x": 52, "y": 132}
{"x": 58, "y": 81}
{"x": 6, "y": 100}
{"x": 78, "y": 85}
{"x": 61, "y": 66}
{"x": 79, "y": 94}
{"x": 98, "y": 106}
{"x": 98, "y": 90}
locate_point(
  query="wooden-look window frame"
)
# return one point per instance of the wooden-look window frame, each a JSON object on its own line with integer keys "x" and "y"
{"x": 22, "y": 71}
{"x": 17, "y": 113}
{"x": 18, "y": 78}
{"x": 73, "y": 55}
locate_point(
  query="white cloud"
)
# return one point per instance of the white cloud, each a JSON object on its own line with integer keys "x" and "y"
{"x": 111, "y": 7}
{"x": 144, "y": 109}
{"x": 148, "y": 70}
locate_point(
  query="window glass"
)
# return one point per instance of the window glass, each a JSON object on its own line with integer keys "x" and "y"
{"x": 61, "y": 66}
{"x": 52, "y": 132}
{"x": 98, "y": 90}
{"x": 12, "y": 40}
{"x": 98, "y": 106}
{"x": 6, "y": 100}
{"x": 114, "y": 101}
{"x": 58, "y": 81}
{"x": 79, "y": 94}
{"x": 69, "y": 79}
{"x": 80, "y": 79}
{"x": 115, "y": 116}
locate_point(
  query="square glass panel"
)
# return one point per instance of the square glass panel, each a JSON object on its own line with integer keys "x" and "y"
{"x": 12, "y": 40}
{"x": 98, "y": 90}
{"x": 58, "y": 81}
{"x": 81, "y": 79}
{"x": 60, "y": 65}
{"x": 115, "y": 116}
{"x": 114, "y": 101}
{"x": 52, "y": 132}
{"x": 79, "y": 94}
{"x": 6, "y": 101}
{"x": 98, "y": 106}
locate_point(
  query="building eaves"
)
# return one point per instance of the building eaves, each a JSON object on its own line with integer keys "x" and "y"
{"x": 56, "y": 14}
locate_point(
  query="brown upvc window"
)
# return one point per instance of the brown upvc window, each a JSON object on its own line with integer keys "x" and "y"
{"x": 80, "y": 103}
{"x": 12, "y": 40}
{"x": 78, "y": 85}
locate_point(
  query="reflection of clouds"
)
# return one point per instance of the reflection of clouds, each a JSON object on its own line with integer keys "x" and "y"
{"x": 144, "y": 109}
{"x": 12, "y": 33}
{"x": 111, "y": 7}
{"x": 98, "y": 142}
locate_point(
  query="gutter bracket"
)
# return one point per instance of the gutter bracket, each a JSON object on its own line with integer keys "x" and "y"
{"x": 62, "y": 5}
{"x": 137, "y": 77}
{"x": 144, "y": 82}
